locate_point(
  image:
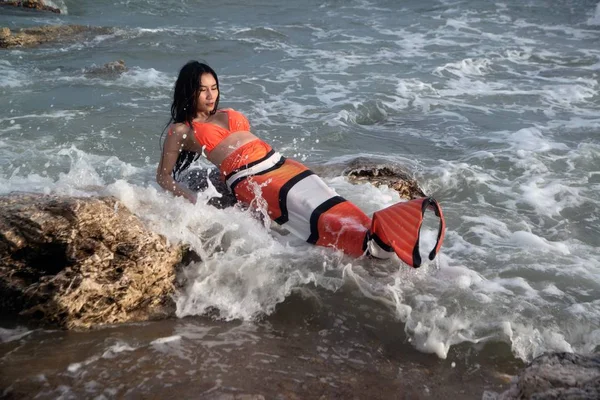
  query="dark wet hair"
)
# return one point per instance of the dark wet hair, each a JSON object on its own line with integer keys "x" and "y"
{"x": 185, "y": 105}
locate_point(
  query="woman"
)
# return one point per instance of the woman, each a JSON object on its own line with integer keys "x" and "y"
{"x": 295, "y": 197}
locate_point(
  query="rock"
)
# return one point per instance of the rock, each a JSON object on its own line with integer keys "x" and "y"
{"x": 82, "y": 262}
{"x": 4, "y": 33}
{"x": 557, "y": 376}
{"x": 113, "y": 68}
{"x": 378, "y": 173}
{"x": 31, "y": 4}
{"x": 29, "y": 37}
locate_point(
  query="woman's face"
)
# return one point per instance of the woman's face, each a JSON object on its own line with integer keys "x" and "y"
{"x": 209, "y": 92}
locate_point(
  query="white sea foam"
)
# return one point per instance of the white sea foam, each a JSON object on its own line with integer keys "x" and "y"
{"x": 462, "y": 24}
{"x": 65, "y": 115}
{"x": 111, "y": 352}
{"x": 433, "y": 330}
{"x": 140, "y": 77}
{"x": 533, "y": 242}
{"x": 11, "y": 128}
{"x": 86, "y": 174}
{"x": 466, "y": 67}
{"x": 412, "y": 88}
{"x": 560, "y": 30}
{"x": 595, "y": 18}
{"x": 549, "y": 198}
{"x": 29, "y": 183}
{"x": 332, "y": 94}
{"x": 134, "y": 78}
{"x": 569, "y": 95}
{"x": 370, "y": 198}
{"x": 164, "y": 340}
{"x": 533, "y": 140}
{"x": 521, "y": 56}
{"x": 81, "y": 174}
{"x": 60, "y": 4}
{"x": 10, "y": 77}
{"x": 177, "y": 30}
{"x": 414, "y": 44}
{"x": 242, "y": 275}
{"x": 582, "y": 122}
{"x": 552, "y": 290}
{"x": 529, "y": 342}
{"x": 496, "y": 111}
{"x": 434, "y": 327}
{"x": 9, "y": 335}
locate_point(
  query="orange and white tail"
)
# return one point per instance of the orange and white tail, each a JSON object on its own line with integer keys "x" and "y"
{"x": 398, "y": 227}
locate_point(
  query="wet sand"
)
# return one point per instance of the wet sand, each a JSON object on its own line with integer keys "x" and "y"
{"x": 331, "y": 345}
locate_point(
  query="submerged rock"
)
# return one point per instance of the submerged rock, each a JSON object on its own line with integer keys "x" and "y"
{"x": 556, "y": 376}
{"x": 82, "y": 262}
{"x": 113, "y": 68}
{"x": 29, "y": 37}
{"x": 377, "y": 173}
{"x": 31, "y": 4}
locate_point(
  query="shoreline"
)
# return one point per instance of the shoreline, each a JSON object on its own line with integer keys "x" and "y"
{"x": 308, "y": 348}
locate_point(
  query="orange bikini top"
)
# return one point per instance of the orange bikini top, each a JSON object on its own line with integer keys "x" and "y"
{"x": 209, "y": 135}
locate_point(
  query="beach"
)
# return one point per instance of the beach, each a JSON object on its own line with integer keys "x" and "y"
{"x": 492, "y": 107}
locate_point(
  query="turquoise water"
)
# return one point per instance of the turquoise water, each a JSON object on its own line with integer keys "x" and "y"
{"x": 493, "y": 106}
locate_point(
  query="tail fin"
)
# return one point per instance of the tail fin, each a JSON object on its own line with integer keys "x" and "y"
{"x": 397, "y": 228}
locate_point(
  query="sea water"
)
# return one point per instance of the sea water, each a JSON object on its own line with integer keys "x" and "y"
{"x": 493, "y": 106}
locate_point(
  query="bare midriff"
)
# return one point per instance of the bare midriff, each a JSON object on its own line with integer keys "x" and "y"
{"x": 228, "y": 145}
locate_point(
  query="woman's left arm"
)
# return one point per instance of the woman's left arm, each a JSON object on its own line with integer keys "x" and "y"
{"x": 174, "y": 143}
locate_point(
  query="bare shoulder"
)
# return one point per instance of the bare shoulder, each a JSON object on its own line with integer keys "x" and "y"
{"x": 180, "y": 130}
{"x": 231, "y": 111}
